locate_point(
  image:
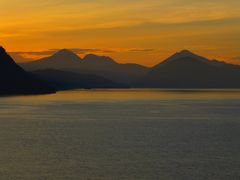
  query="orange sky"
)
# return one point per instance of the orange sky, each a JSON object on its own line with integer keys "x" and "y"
{"x": 136, "y": 31}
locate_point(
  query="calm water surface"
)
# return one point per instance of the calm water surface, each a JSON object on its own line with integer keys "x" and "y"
{"x": 121, "y": 134}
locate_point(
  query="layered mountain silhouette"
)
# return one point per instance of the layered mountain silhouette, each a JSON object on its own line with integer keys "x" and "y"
{"x": 66, "y": 60}
{"x": 63, "y": 59}
{"x": 14, "y": 80}
{"x": 63, "y": 80}
{"x": 182, "y": 70}
{"x": 188, "y": 70}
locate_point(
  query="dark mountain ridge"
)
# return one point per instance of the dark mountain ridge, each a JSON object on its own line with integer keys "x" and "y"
{"x": 188, "y": 70}
{"x": 60, "y": 60}
{"x": 184, "y": 69}
{"x": 66, "y": 60}
{"x": 14, "y": 80}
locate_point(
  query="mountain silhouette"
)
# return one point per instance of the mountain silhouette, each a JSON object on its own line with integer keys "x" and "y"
{"x": 106, "y": 67}
{"x": 183, "y": 69}
{"x": 92, "y": 58}
{"x": 188, "y": 70}
{"x": 63, "y": 80}
{"x": 14, "y": 80}
{"x": 60, "y": 60}
{"x": 66, "y": 60}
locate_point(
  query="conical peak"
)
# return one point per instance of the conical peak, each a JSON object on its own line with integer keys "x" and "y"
{"x": 185, "y": 52}
{"x": 2, "y": 50}
{"x": 64, "y": 52}
{"x": 5, "y": 58}
{"x": 184, "y": 55}
{"x": 66, "y": 55}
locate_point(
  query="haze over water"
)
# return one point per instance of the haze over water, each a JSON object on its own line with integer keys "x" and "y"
{"x": 121, "y": 134}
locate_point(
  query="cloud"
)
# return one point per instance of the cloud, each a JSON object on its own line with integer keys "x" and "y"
{"x": 23, "y": 56}
{"x": 35, "y": 53}
{"x": 78, "y": 51}
{"x": 20, "y": 58}
{"x": 141, "y": 50}
{"x": 62, "y": 15}
{"x": 237, "y": 58}
{"x": 30, "y": 55}
{"x": 86, "y": 51}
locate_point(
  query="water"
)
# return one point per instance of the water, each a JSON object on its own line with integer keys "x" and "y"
{"x": 121, "y": 134}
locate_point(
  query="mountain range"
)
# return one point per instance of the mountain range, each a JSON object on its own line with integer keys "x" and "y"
{"x": 66, "y": 60}
{"x": 66, "y": 70}
{"x": 15, "y": 80}
{"x": 188, "y": 70}
{"x": 184, "y": 69}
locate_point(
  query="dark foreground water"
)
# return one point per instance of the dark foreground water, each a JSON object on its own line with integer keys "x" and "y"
{"x": 121, "y": 134}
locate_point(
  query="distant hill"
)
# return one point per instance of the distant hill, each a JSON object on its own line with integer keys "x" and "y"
{"x": 104, "y": 66}
{"x": 63, "y": 80}
{"x": 60, "y": 60}
{"x": 14, "y": 80}
{"x": 188, "y": 70}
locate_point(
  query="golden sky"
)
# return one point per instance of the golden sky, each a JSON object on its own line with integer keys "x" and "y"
{"x": 136, "y": 31}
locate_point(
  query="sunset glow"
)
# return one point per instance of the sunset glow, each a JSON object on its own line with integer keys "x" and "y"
{"x": 136, "y": 31}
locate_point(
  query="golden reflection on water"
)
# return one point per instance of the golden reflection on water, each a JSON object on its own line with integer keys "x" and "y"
{"x": 131, "y": 94}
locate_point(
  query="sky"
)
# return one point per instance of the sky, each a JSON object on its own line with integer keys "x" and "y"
{"x": 130, "y": 31}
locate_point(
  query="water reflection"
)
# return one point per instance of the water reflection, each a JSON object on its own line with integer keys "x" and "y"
{"x": 128, "y": 134}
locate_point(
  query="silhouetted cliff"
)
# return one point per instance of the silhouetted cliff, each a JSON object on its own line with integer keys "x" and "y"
{"x": 14, "y": 80}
